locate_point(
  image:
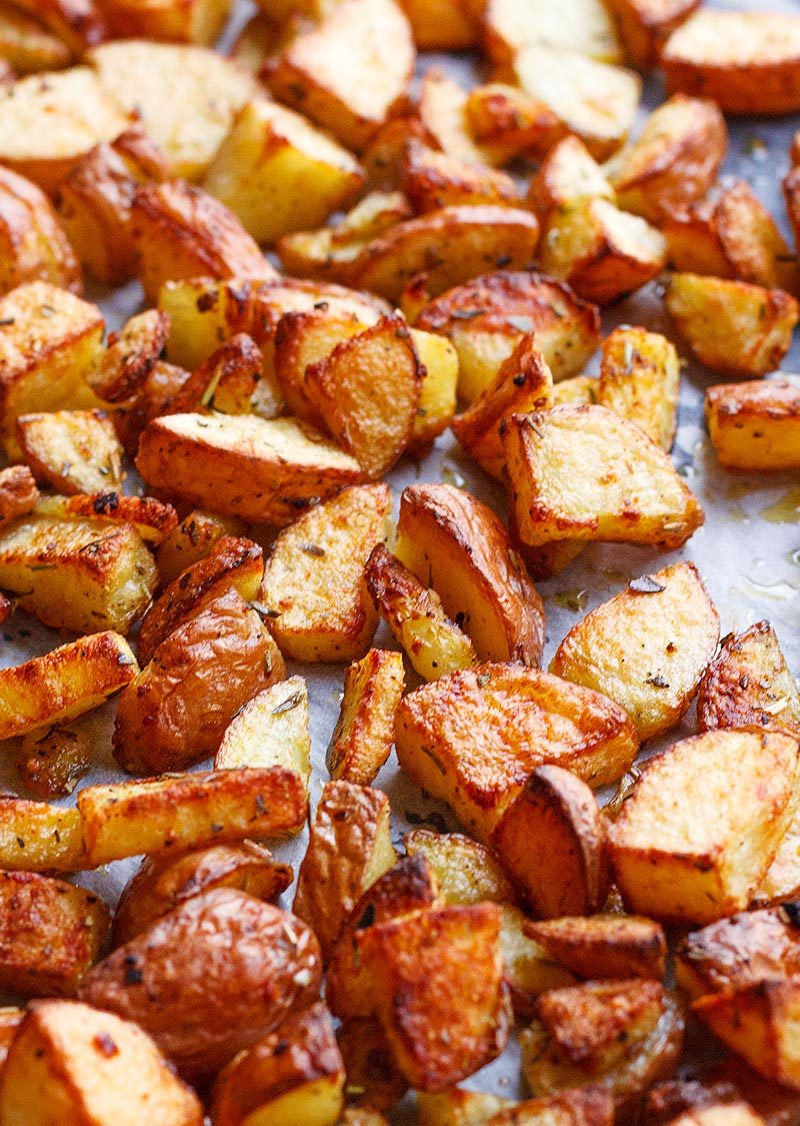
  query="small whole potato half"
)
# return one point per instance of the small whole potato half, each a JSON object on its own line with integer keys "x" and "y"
{"x": 210, "y": 979}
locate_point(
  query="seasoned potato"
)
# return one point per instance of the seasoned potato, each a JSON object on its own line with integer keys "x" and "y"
{"x": 464, "y": 550}
{"x": 435, "y": 644}
{"x": 48, "y": 122}
{"x": 647, "y": 648}
{"x": 441, "y": 112}
{"x": 732, "y": 327}
{"x": 703, "y": 824}
{"x": 601, "y": 252}
{"x": 231, "y": 381}
{"x": 184, "y": 96}
{"x": 278, "y": 174}
{"x": 191, "y": 541}
{"x": 644, "y": 26}
{"x": 437, "y": 394}
{"x": 164, "y": 882}
{"x": 302, "y": 340}
{"x": 458, "y": 1107}
{"x": 595, "y": 101}
{"x": 129, "y": 356}
{"x": 439, "y": 991}
{"x": 295, "y": 1074}
{"x": 348, "y": 72}
{"x": 754, "y": 426}
{"x": 362, "y": 739}
{"x": 640, "y": 377}
{"x": 195, "y": 21}
{"x": 507, "y": 122}
{"x": 747, "y": 62}
{"x": 64, "y": 683}
{"x": 244, "y": 966}
{"x": 620, "y": 487}
{"x": 182, "y": 811}
{"x": 70, "y": 1063}
{"x": 551, "y": 840}
{"x": 604, "y": 946}
{"x": 78, "y": 22}
{"x": 473, "y": 738}
{"x": 585, "y": 26}
{"x": 33, "y": 242}
{"x": 528, "y": 969}
{"x": 568, "y": 175}
{"x": 759, "y": 1021}
{"x": 48, "y": 339}
{"x": 18, "y": 493}
{"x": 486, "y": 319}
{"x": 270, "y": 730}
{"x": 781, "y": 883}
{"x": 674, "y": 161}
{"x": 432, "y": 179}
{"x": 742, "y": 950}
{"x": 572, "y": 1108}
{"x": 314, "y": 591}
{"x": 374, "y": 1082}
{"x": 150, "y": 517}
{"x": 620, "y": 1036}
{"x": 52, "y": 760}
{"x": 27, "y": 45}
{"x": 72, "y": 451}
{"x": 77, "y": 574}
{"x": 39, "y": 837}
{"x": 349, "y": 848}
{"x": 466, "y": 871}
{"x": 263, "y": 470}
{"x": 153, "y": 399}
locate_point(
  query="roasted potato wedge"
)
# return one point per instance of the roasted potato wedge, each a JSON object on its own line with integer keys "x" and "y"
{"x": 72, "y": 451}
{"x": 34, "y": 246}
{"x": 364, "y": 734}
{"x": 302, "y": 340}
{"x": 640, "y": 378}
{"x": 674, "y": 859}
{"x": 231, "y": 381}
{"x": 517, "y": 719}
{"x": 603, "y": 946}
{"x": 732, "y": 327}
{"x": 458, "y": 1107}
{"x": 568, "y": 175}
{"x": 441, "y": 116}
{"x": 18, "y": 493}
{"x": 528, "y": 970}
{"x": 645, "y": 25}
{"x": 506, "y": 122}
{"x": 79, "y": 23}
{"x": 151, "y": 518}
{"x": 27, "y": 45}
{"x": 466, "y": 871}
{"x": 781, "y": 883}
{"x": 270, "y": 730}
{"x": 129, "y": 356}
{"x": 374, "y": 1082}
{"x": 584, "y": 26}
{"x": 39, "y": 837}
{"x": 754, "y": 426}
{"x": 742, "y": 950}
{"x": 437, "y": 394}
{"x": 432, "y": 179}
{"x": 52, "y": 760}
{"x": 191, "y": 541}
{"x": 198, "y": 21}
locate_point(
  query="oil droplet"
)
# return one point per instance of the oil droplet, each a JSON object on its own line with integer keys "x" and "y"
{"x": 786, "y": 510}
{"x": 574, "y": 600}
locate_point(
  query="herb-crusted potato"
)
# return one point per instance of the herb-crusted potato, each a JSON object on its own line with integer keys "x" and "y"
{"x": 362, "y": 739}
{"x": 40, "y": 837}
{"x": 278, "y": 174}
{"x": 604, "y": 946}
{"x": 506, "y": 121}
{"x": 72, "y": 451}
{"x": 619, "y": 486}
{"x": 584, "y": 26}
{"x": 190, "y": 541}
{"x": 742, "y": 950}
{"x": 129, "y": 356}
{"x": 473, "y": 737}
{"x": 699, "y": 858}
{"x": 64, "y": 683}
{"x": 640, "y": 378}
{"x": 32, "y": 240}
{"x": 263, "y": 470}
{"x": 314, "y": 588}
{"x": 432, "y": 179}
{"x": 195, "y": 21}
{"x": 150, "y": 517}
{"x": 301, "y": 340}
{"x": 755, "y": 426}
{"x": 647, "y": 648}
{"x": 71, "y": 1063}
{"x": 437, "y": 394}
{"x": 270, "y": 730}
{"x": 645, "y": 25}
{"x": 466, "y": 871}
{"x": 568, "y": 175}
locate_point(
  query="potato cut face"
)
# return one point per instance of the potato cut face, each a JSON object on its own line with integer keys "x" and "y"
{"x": 437, "y": 393}
{"x": 317, "y": 603}
{"x": 618, "y": 486}
{"x": 742, "y": 950}
{"x": 270, "y": 730}
{"x": 472, "y": 738}
{"x": 751, "y": 240}
{"x": 73, "y": 451}
{"x": 432, "y": 179}
{"x": 39, "y": 837}
{"x": 647, "y": 648}
{"x": 603, "y": 946}
{"x": 364, "y": 734}
{"x": 466, "y": 871}
{"x": 190, "y": 541}
{"x": 701, "y": 859}
{"x": 640, "y": 379}
{"x": 32, "y": 240}
{"x": 568, "y": 175}
{"x": 584, "y": 26}
{"x": 755, "y": 426}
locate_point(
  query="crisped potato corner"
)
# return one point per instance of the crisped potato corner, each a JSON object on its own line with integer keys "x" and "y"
{"x": 364, "y": 733}
{"x": 270, "y": 730}
{"x": 72, "y": 451}
{"x": 755, "y": 426}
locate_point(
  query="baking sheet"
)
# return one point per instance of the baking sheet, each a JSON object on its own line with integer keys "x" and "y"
{"x": 748, "y": 552}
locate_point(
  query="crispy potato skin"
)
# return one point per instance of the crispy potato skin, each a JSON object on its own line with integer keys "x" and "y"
{"x": 755, "y": 426}
{"x": 364, "y": 734}
{"x": 151, "y": 518}
{"x": 432, "y": 179}
{"x": 374, "y": 1082}
{"x": 164, "y": 882}
{"x": 742, "y": 950}
{"x": 190, "y": 541}
{"x": 129, "y": 356}
{"x": 32, "y": 242}
{"x": 176, "y": 711}
{"x": 645, "y": 25}
{"x": 18, "y": 493}
{"x": 243, "y": 966}
{"x": 505, "y": 120}
{"x": 567, "y": 175}
{"x": 604, "y": 946}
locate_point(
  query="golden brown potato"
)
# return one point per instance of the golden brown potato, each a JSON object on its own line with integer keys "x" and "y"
{"x": 278, "y": 174}
{"x": 185, "y": 96}
{"x": 27, "y": 45}
{"x": 79, "y": 23}
{"x": 645, "y": 25}
{"x": 440, "y": 118}
{"x": 302, "y": 340}
{"x": 48, "y": 339}
{"x": 603, "y": 946}
{"x": 364, "y": 734}
{"x": 439, "y": 991}
{"x": 270, "y": 730}
{"x": 432, "y": 179}
{"x": 620, "y": 487}
{"x": 572, "y": 1108}
{"x": 164, "y": 881}
{"x": 152, "y": 519}
{"x": 647, "y": 648}
{"x": 231, "y": 381}
{"x": 183, "y": 811}
{"x": 437, "y": 394}
{"x": 781, "y": 884}
{"x": 317, "y": 603}
{"x": 72, "y": 451}
{"x": 129, "y": 356}
{"x": 568, "y": 175}
{"x": 349, "y": 71}
{"x": 759, "y": 1021}
{"x": 349, "y": 848}
{"x": 703, "y": 824}
{"x": 295, "y": 1074}
{"x": 39, "y": 837}
{"x": 506, "y": 122}
{"x": 195, "y": 21}
{"x": 742, "y": 950}
{"x": 34, "y": 245}
{"x": 77, "y": 574}
{"x": 732, "y": 327}
{"x": 747, "y": 62}
{"x": 551, "y": 841}
{"x": 473, "y": 737}
{"x": 441, "y": 25}
{"x": 640, "y": 379}
{"x": 466, "y": 871}
{"x": 374, "y": 1082}
{"x": 191, "y": 541}
{"x": 153, "y": 399}
{"x": 259, "y": 469}
{"x": 458, "y": 1107}
{"x": 18, "y": 493}
{"x": 487, "y": 318}
{"x": 754, "y": 426}
{"x": 70, "y": 1063}
{"x": 52, "y": 760}
{"x": 176, "y": 710}
{"x": 528, "y": 970}
{"x": 244, "y": 966}
{"x": 584, "y": 26}
{"x": 435, "y": 645}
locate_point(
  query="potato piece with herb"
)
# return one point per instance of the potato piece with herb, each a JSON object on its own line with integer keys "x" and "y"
{"x": 755, "y": 426}
{"x": 742, "y": 950}
{"x": 585, "y": 26}
{"x": 466, "y": 871}
{"x": 364, "y": 734}
{"x": 302, "y": 340}
{"x": 432, "y": 179}
{"x": 506, "y": 122}
{"x": 640, "y": 376}
{"x": 191, "y": 541}
{"x": 700, "y": 859}
{"x": 603, "y": 946}
{"x": 18, "y": 493}
{"x": 72, "y": 451}
{"x": 151, "y": 518}
{"x": 456, "y": 1106}
{"x": 129, "y": 356}
{"x": 437, "y": 394}
{"x": 270, "y": 730}
{"x": 195, "y": 21}
{"x": 40, "y": 837}
{"x": 568, "y": 175}
{"x": 472, "y": 738}
{"x": 52, "y": 760}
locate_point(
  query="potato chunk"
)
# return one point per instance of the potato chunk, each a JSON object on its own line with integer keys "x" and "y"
{"x": 70, "y": 1063}
{"x": 640, "y": 379}
{"x": 52, "y": 760}
{"x": 644, "y": 26}
{"x": 278, "y": 174}
{"x": 195, "y": 21}
{"x": 32, "y": 240}
{"x": 703, "y": 824}
{"x": 466, "y": 871}
{"x": 506, "y": 122}
{"x": 432, "y": 179}
{"x": 604, "y": 946}
{"x": 742, "y": 950}
{"x": 759, "y": 1021}
{"x": 618, "y": 486}
{"x": 473, "y": 737}
{"x": 270, "y": 730}
{"x": 364, "y": 734}
{"x": 755, "y": 426}
{"x": 732, "y": 327}
{"x": 584, "y": 26}
{"x": 262, "y": 470}
{"x": 647, "y": 648}
{"x": 18, "y": 493}
{"x": 72, "y": 451}
{"x": 150, "y": 517}
{"x": 78, "y": 22}
{"x": 568, "y": 175}
{"x": 28, "y": 46}
{"x": 190, "y": 541}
